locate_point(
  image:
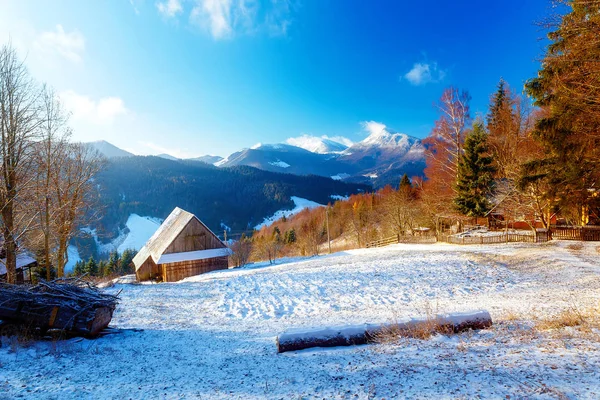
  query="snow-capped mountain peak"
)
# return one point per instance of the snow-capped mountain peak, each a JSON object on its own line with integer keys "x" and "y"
{"x": 320, "y": 145}
{"x": 381, "y": 136}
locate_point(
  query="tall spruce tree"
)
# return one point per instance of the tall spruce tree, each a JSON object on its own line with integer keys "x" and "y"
{"x": 567, "y": 88}
{"x": 475, "y": 180}
{"x": 405, "y": 182}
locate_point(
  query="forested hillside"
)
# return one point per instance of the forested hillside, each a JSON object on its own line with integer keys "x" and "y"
{"x": 239, "y": 197}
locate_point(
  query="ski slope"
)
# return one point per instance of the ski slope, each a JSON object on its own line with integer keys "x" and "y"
{"x": 213, "y": 336}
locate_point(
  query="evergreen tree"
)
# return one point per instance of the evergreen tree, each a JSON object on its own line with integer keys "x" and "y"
{"x": 112, "y": 264}
{"x": 290, "y": 236}
{"x": 405, "y": 182}
{"x": 103, "y": 269}
{"x": 277, "y": 234}
{"x": 79, "y": 268}
{"x": 91, "y": 268}
{"x": 567, "y": 89}
{"x": 126, "y": 262}
{"x": 475, "y": 181}
{"x": 500, "y": 104}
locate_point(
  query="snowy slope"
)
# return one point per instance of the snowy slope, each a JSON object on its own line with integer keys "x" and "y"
{"x": 139, "y": 230}
{"x": 300, "y": 204}
{"x": 213, "y": 336}
{"x": 207, "y": 159}
{"x": 74, "y": 258}
{"x": 167, "y": 157}
{"x": 108, "y": 150}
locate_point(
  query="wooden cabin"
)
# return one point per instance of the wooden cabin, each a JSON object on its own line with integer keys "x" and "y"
{"x": 181, "y": 247}
{"x": 24, "y": 263}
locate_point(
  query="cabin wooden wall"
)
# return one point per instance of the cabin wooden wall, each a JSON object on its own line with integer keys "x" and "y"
{"x": 194, "y": 237}
{"x": 147, "y": 270}
{"x": 180, "y": 270}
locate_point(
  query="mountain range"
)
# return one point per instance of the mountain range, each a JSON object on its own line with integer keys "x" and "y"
{"x": 380, "y": 159}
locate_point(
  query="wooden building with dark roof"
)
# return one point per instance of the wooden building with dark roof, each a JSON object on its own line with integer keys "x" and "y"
{"x": 181, "y": 247}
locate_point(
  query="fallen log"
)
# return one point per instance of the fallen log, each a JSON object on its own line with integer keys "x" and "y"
{"x": 295, "y": 339}
{"x": 73, "y": 306}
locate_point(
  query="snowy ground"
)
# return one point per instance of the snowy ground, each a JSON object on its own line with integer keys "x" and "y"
{"x": 213, "y": 336}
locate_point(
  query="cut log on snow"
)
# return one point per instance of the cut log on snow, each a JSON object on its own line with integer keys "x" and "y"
{"x": 366, "y": 333}
{"x": 71, "y": 305}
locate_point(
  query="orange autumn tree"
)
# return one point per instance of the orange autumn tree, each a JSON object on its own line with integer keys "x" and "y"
{"x": 443, "y": 149}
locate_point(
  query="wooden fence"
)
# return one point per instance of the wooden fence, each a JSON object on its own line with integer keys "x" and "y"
{"x": 556, "y": 232}
{"x": 496, "y": 239}
{"x": 585, "y": 233}
{"x": 402, "y": 239}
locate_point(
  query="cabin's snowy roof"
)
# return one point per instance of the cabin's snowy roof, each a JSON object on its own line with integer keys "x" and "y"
{"x": 193, "y": 255}
{"x": 23, "y": 260}
{"x": 164, "y": 236}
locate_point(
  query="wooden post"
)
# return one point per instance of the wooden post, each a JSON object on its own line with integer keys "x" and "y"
{"x": 327, "y": 220}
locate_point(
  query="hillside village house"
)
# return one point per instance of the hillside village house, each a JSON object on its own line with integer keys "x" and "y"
{"x": 181, "y": 247}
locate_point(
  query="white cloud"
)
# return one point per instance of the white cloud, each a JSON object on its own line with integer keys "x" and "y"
{"x": 374, "y": 128}
{"x": 277, "y": 19}
{"x": 225, "y": 18}
{"x": 214, "y": 15}
{"x": 99, "y": 112}
{"x": 423, "y": 73}
{"x": 69, "y": 45}
{"x": 169, "y": 8}
{"x": 340, "y": 139}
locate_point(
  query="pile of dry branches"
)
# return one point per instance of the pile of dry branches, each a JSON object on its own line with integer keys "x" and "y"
{"x": 71, "y": 305}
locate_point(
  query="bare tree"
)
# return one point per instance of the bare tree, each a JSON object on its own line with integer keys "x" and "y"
{"x": 74, "y": 188}
{"x": 50, "y": 153}
{"x": 401, "y": 210}
{"x": 242, "y": 249}
{"x": 19, "y": 122}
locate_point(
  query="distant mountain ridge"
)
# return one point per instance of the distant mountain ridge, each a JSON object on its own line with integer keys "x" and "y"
{"x": 207, "y": 159}
{"x": 108, "y": 150}
{"x": 378, "y": 160}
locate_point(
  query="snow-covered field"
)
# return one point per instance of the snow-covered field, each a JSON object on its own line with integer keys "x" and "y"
{"x": 299, "y": 205}
{"x": 213, "y": 336}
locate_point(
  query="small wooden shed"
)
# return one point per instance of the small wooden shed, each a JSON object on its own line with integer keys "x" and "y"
{"x": 181, "y": 247}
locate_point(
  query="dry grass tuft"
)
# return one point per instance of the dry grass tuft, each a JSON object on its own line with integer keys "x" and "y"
{"x": 422, "y": 330}
{"x": 573, "y": 317}
{"x": 575, "y": 246}
{"x": 510, "y": 316}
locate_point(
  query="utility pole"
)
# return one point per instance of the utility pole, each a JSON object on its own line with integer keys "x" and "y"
{"x": 327, "y": 221}
{"x": 225, "y": 234}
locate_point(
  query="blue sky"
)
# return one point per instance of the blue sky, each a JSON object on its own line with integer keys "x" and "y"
{"x": 194, "y": 77}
